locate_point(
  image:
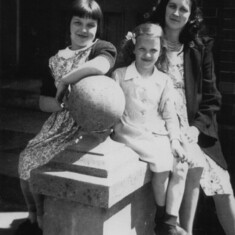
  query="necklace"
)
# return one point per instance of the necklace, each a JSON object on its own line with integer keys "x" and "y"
{"x": 173, "y": 46}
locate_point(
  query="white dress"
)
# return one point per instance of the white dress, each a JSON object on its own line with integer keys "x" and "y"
{"x": 149, "y": 121}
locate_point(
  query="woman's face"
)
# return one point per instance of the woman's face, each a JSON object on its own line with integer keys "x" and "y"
{"x": 147, "y": 50}
{"x": 177, "y": 14}
{"x": 82, "y": 32}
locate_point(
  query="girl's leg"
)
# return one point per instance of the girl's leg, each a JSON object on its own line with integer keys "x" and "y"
{"x": 166, "y": 221}
{"x": 174, "y": 198}
{"x": 190, "y": 199}
{"x": 225, "y": 208}
{"x": 29, "y": 200}
{"x": 176, "y": 188}
{"x": 160, "y": 184}
{"x": 38, "y": 198}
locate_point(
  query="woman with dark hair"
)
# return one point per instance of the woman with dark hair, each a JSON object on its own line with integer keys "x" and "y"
{"x": 187, "y": 58}
{"x": 86, "y": 55}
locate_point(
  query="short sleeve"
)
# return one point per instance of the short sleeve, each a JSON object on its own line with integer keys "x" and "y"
{"x": 106, "y": 49}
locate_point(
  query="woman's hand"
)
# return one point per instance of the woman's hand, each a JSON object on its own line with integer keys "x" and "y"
{"x": 191, "y": 135}
{"x": 62, "y": 89}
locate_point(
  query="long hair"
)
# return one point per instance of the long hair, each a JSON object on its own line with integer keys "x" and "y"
{"x": 84, "y": 9}
{"x": 193, "y": 29}
{"x": 126, "y": 55}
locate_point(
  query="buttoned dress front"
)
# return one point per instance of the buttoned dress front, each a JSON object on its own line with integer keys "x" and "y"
{"x": 149, "y": 121}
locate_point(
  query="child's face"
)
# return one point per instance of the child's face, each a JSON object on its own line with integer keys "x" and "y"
{"x": 82, "y": 32}
{"x": 147, "y": 50}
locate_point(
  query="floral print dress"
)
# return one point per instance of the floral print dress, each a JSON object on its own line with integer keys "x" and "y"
{"x": 59, "y": 130}
{"x": 214, "y": 180}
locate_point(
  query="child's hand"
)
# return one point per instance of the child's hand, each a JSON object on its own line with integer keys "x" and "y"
{"x": 179, "y": 152}
{"x": 62, "y": 89}
{"x": 64, "y": 104}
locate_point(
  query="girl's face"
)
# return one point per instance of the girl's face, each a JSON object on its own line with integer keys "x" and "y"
{"x": 82, "y": 32}
{"x": 147, "y": 50}
{"x": 177, "y": 14}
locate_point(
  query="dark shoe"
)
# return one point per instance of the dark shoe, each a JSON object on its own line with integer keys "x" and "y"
{"x": 28, "y": 228}
{"x": 158, "y": 229}
{"x": 158, "y": 225}
{"x": 167, "y": 229}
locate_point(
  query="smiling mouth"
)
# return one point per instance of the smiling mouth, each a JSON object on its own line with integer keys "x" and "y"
{"x": 145, "y": 60}
{"x": 174, "y": 20}
{"x": 82, "y": 36}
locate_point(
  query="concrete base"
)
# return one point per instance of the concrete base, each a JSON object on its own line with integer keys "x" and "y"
{"x": 96, "y": 189}
{"x": 131, "y": 216}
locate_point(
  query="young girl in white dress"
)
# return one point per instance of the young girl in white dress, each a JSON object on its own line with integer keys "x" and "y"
{"x": 86, "y": 56}
{"x": 150, "y": 125}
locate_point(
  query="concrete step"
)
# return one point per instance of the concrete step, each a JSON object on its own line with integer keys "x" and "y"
{"x": 20, "y": 93}
{"x": 17, "y": 127}
{"x": 21, "y": 119}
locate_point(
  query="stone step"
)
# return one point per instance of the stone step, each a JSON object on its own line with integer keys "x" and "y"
{"x": 17, "y": 127}
{"x": 21, "y": 93}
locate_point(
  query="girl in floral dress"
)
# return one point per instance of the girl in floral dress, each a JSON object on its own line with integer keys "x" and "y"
{"x": 86, "y": 56}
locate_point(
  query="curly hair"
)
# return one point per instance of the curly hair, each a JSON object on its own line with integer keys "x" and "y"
{"x": 126, "y": 55}
{"x": 194, "y": 28}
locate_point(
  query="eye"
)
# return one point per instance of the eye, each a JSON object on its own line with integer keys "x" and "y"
{"x": 153, "y": 51}
{"x": 91, "y": 25}
{"x": 77, "y": 22}
{"x": 183, "y": 9}
{"x": 172, "y": 5}
{"x": 141, "y": 49}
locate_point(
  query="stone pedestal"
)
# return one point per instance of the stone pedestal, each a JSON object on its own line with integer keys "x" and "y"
{"x": 95, "y": 188}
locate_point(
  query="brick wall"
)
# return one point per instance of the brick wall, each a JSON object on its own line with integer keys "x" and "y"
{"x": 220, "y": 17}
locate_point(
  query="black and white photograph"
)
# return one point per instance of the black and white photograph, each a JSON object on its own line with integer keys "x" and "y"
{"x": 117, "y": 117}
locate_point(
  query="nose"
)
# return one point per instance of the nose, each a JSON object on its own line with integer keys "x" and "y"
{"x": 84, "y": 29}
{"x": 147, "y": 54}
{"x": 176, "y": 12}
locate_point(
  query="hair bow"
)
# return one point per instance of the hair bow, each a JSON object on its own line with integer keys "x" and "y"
{"x": 131, "y": 36}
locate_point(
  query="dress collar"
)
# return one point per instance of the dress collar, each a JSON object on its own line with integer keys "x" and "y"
{"x": 68, "y": 53}
{"x": 82, "y": 49}
{"x": 132, "y": 73}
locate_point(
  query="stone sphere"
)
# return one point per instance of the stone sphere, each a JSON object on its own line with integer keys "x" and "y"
{"x": 96, "y": 103}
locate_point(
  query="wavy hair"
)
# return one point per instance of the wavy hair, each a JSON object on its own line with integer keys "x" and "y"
{"x": 126, "y": 55}
{"x": 193, "y": 29}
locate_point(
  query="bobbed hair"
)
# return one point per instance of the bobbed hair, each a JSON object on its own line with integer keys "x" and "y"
{"x": 84, "y": 9}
